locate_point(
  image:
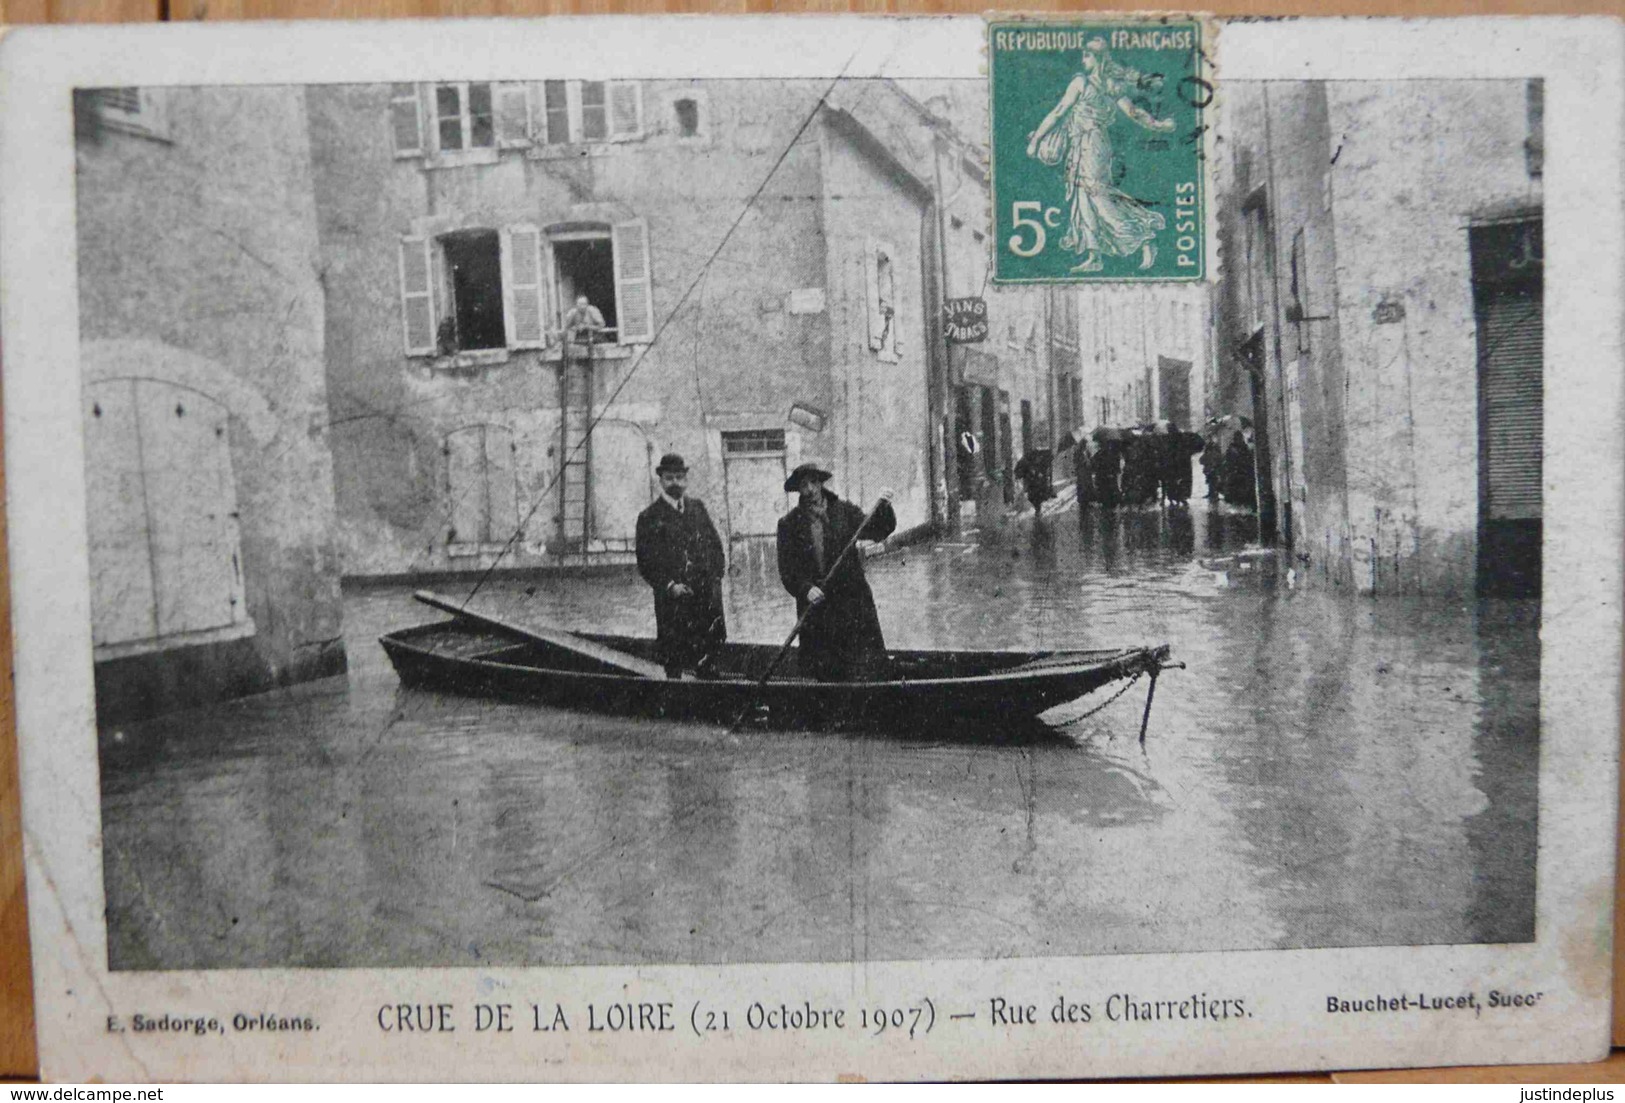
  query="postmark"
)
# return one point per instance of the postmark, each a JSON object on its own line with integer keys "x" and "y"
{"x": 1098, "y": 138}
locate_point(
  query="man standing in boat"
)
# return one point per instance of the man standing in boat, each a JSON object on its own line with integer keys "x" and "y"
{"x": 841, "y": 639}
{"x": 680, "y": 556}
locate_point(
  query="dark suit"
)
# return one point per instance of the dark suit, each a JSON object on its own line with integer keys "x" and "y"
{"x": 683, "y": 548}
{"x": 842, "y": 636}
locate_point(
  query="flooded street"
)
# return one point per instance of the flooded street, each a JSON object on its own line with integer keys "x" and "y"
{"x": 1328, "y": 771}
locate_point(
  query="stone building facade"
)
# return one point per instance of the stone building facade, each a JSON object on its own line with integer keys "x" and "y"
{"x": 214, "y": 567}
{"x": 1144, "y": 354}
{"x": 763, "y": 257}
{"x": 766, "y": 257}
{"x": 1381, "y": 310}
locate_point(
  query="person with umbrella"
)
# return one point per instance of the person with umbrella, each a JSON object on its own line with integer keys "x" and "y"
{"x": 1106, "y": 464}
{"x": 1033, "y": 469}
{"x": 841, "y": 640}
{"x": 1178, "y": 448}
{"x": 1082, "y": 472}
{"x": 1238, "y": 475}
{"x": 680, "y": 556}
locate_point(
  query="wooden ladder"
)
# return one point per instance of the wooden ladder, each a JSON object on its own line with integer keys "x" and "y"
{"x": 575, "y": 481}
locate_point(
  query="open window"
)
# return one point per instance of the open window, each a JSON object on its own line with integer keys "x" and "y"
{"x": 610, "y": 266}
{"x": 880, "y": 272}
{"x": 143, "y": 111}
{"x": 481, "y": 289}
{"x": 584, "y": 266}
{"x": 472, "y": 290}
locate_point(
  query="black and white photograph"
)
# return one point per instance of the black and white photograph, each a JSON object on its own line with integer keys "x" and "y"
{"x": 595, "y": 519}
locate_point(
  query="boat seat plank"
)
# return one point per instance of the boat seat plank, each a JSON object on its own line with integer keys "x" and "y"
{"x": 552, "y": 637}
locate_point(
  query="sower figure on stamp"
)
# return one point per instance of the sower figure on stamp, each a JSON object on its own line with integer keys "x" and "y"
{"x": 841, "y": 640}
{"x": 1103, "y": 220}
{"x": 680, "y": 556}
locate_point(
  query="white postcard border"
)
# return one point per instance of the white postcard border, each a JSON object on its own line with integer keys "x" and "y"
{"x": 1580, "y": 60}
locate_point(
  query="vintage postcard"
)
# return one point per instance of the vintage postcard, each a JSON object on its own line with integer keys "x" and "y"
{"x": 812, "y": 548}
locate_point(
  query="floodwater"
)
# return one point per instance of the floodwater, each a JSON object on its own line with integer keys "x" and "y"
{"x": 1328, "y": 771}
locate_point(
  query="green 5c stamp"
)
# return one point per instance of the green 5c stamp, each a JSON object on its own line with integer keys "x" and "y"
{"x": 1098, "y": 136}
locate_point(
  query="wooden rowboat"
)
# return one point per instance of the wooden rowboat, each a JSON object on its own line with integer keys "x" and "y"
{"x": 480, "y": 656}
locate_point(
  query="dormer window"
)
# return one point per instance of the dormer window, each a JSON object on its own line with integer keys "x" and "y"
{"x": 461, "y": 123}
{"x": 688, "y": 118}
{"x": 463, "y": 116}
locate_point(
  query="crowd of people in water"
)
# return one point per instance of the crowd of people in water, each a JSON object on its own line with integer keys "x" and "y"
{"x": 1149, "y": 463}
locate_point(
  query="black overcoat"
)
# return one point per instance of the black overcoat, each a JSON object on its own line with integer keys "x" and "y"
{"x": 843, "y": 633}
{"x": 683, "y": 548}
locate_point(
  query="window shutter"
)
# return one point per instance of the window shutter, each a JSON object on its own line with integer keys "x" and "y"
{"x": 501, "y": 488}
{"x": 406, "y": 120}
{"x": 554, "y": 120}
{"x": 548, "y": 292}
{"x": 625, "y": 110}
{"x": 1510, "y": 337}
{"x": 513, "y": 115}
{"x": 634, "y": 306}
{"x": 522, "y": 287}
{"x": 417, "y": 296}
{"x": 871, "y": 281}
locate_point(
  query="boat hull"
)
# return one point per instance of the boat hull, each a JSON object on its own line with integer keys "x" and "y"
{"x": 925, "y": 690}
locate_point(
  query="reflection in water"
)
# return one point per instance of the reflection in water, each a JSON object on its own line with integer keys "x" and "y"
{"x": 1328, "y": 771}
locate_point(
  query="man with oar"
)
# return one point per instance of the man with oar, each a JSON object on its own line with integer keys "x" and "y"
{"x": 841, "y": 639}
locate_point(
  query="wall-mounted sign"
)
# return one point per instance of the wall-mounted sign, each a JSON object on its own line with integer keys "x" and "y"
{"x": 965, "y": 320}
{"x": 1388, "y": 311}
{"x": 808, "y": 417}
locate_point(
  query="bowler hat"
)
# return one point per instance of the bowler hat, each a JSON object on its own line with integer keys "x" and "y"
{"x": 794, "y": 481}
{"x": 673, "y": 463}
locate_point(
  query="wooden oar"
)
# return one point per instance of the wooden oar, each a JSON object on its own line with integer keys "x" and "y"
{"x": 553, "y": 637}
{"x": 802, "y": 619}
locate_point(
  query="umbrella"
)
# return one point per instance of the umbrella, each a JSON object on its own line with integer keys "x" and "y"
{"x": 1232, "y": 422}
{"x": 1071, "y": 440}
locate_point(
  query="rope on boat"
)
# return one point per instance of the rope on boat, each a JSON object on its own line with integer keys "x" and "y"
{"x": 1128, "y": 685}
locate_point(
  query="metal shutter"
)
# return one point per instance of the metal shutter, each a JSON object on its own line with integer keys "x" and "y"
{"x": 1510, "y": 332}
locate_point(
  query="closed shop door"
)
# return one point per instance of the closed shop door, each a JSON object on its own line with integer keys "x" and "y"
{"x": 164, "y": 543}
{"x": 623, "y": 482}
{"x": 1174, "y": 391}
{"x": 754, "y": 468}
{"x": 1507, "y": 290}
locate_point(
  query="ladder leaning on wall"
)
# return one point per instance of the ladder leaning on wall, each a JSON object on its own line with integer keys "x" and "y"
{"x": 575, "y": 447}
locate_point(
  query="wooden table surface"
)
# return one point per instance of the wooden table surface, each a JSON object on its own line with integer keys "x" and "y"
{"x": 17, "y": 1052}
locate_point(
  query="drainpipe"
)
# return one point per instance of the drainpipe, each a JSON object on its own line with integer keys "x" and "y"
{"x": 1049, "y": 367}
{"x": 943, "y": 436}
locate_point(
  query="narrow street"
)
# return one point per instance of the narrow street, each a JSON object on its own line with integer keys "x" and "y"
{"x": 1330, "y": 770}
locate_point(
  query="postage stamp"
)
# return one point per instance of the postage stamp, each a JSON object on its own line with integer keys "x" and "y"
{"x": 1099, "y": 131}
